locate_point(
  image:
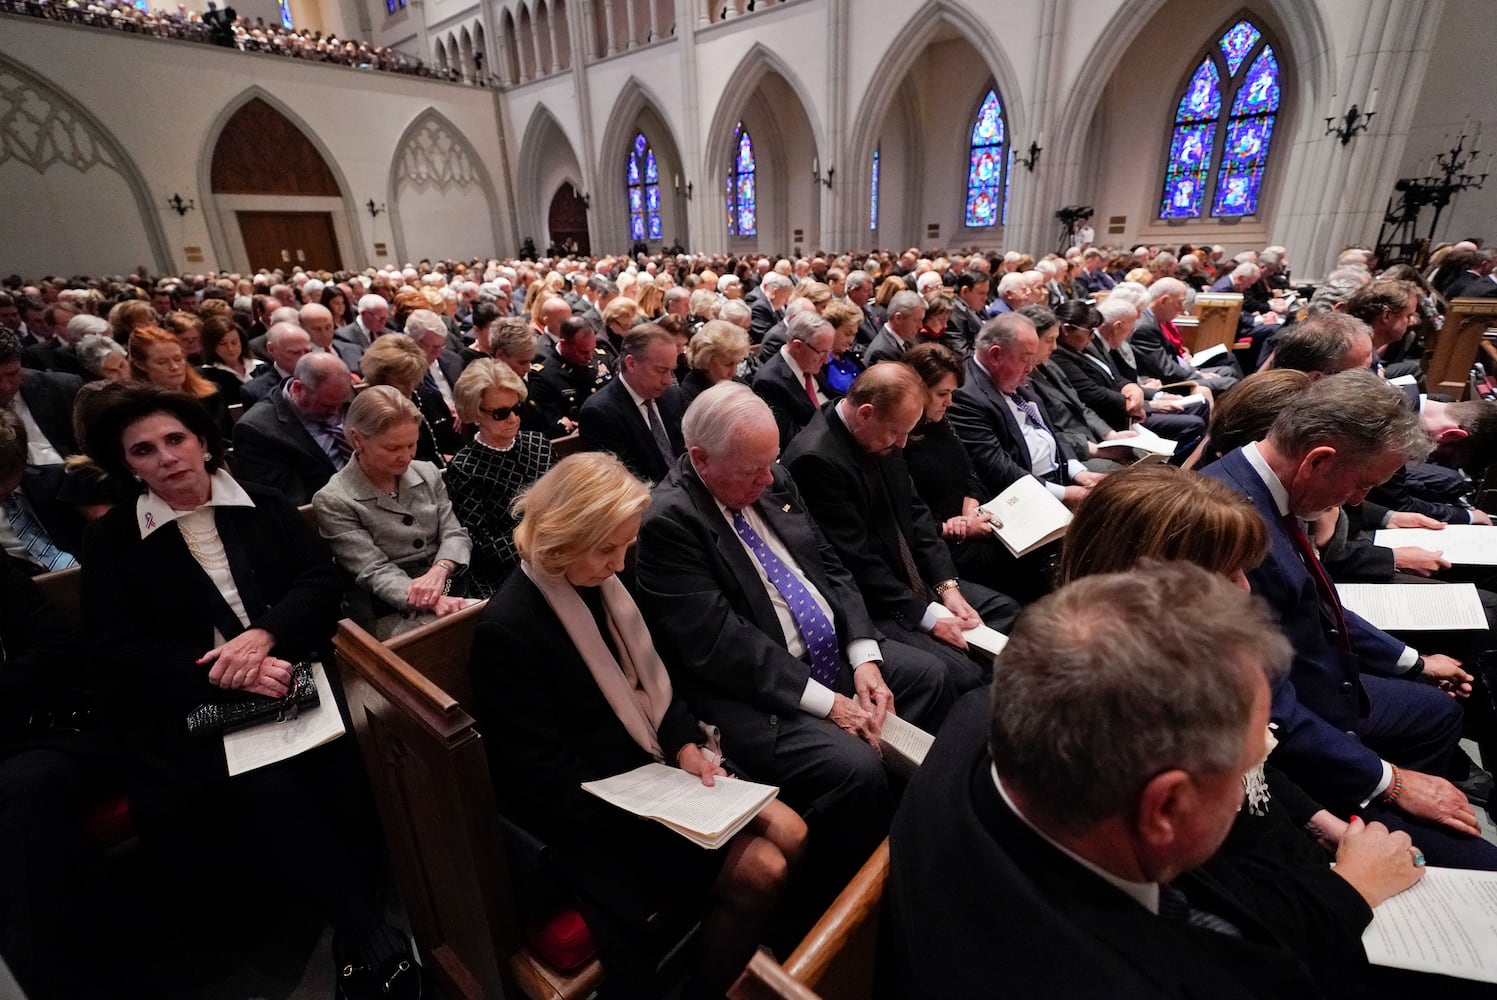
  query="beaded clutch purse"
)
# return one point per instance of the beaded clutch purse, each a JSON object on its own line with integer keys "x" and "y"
{"x": 215, "y": 718}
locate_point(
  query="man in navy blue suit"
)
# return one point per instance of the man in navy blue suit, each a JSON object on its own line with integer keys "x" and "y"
{"x": 1365, "y": 723}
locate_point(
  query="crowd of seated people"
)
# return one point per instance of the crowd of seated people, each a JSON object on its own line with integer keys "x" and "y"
{"x": 222, "y": 27}
{"x": 770, "y": 543}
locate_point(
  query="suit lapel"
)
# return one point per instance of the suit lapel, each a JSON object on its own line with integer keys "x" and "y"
{"x": 996, "y": 400}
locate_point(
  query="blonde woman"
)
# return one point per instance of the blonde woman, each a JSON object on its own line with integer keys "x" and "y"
{"x": 566, "y": 675}
{"x": 714, "y": 353}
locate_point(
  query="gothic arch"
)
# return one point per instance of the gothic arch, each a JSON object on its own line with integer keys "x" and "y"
{"x": 547, "y": 158}
{"x": 509, "y": 50}
{"x": 209, "y": 200}
{"x": 636, "y": 105}
{"x": 434, "y": 152}
{"x": 922, "y": 28}
{"x": 758, "y": 63}
{"x": 69, "y": 133}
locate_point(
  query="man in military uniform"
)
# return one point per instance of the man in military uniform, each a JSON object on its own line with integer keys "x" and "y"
{"x": 567, "y": 377}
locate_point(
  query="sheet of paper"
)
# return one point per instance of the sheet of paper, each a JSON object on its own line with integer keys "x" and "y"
{"x": 1026, "y": 515}
{"x": 986, "y": 639}
{"x": 1403, "y": 380}
{"x": 1464, "y": 544}
{"x": 270, "y": 742}
{"x": 906, "y": 737}
{"x": 1395, "y": 607}
{"x": 1206, "y": 354}
{"x": 1144, "y": 440}
{"x": 1190, "y": 402}
{"x": 670, "y": 795}
{"x": 1447, "y": 924}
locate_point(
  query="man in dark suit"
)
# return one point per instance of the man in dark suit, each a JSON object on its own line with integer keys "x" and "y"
{"x": 1078, "y": 426}
{"x": 637, "y": 416}
{"x": 1364, "y": 721}
{"x": 849, "y": 465}
{"x": 1094, "y": 277}
{"x": 1005, "y": 428}
{"x": 42, "y": 400}
{"x": 767, "y": 304}
{"x": 374, "y": 314}
{"x": 285, "y": 343}
{"x": 1476, "y": 281}
{"x": 293, "y": 440}
{"x": 906, "y": 313}
{"x": 790, "y": 380}
{"x": 1161, "y": 353}
{"x": 568, "y": 378}
{"x": 1055, "y": 833}
{"x": 317, "y": 320}
{"x": 860, "y": 293}
{"x": 773, "y": 641}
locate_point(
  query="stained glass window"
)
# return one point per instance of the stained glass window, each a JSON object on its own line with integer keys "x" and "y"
{"x": 1223, "y": 126}
{"x": 743, "y": 201}
{"x": 642, "y": 179}
{"x": 873, "y": 197}
{"x": 986, "y": 166}
{"x": 286, "y": 16}
{"x": 142, "y": 5}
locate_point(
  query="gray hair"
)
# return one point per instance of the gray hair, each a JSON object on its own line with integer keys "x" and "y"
{"x": 1337, "y": 287}
{"x": 805, "y": 325}
{"x": 1129, "y": 291}
{"x": 856, "y": 280}
{"x": 280, "y": 331}
{"x": 1166, "y": 286}
{"x": 737, "y": 312}
{"x": 1357, "y": 413}
{"x": 715, "y": 419}
{"x": 727, "y": 281}
{"x": 422, "y": 322}
{"x": 1000, "y": 331}
{"x": 1011, "y": 281}
{"x": 285, "y": 314}
{"x": 905, "y": 301}
{"x": 511, "y": 336}
{"x": 84, "y": 325}
{"x": 95, "y": 348}
{"x": 1085, "y": 714}
{"x": 314, "y": 368}
{"x": 1114, "y": 308}
{"x": 775, "y": 279}
{"x": 1319, "y": 344}
{"x": 1247, "y": 269}
{"x": 371, "y": 302}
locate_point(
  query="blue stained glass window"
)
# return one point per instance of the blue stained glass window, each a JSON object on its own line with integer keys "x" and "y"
{"x": 986, "y": 166}
{"x": 873, "y": 196}
{"x": 1223, "y": 127}
{"x": 743, "y": 203}
{"x": 1237, "y": 43}
{"x": 286, "y": 16}
{"x": 142, "y": 5}
{"x": 642, "y": 180}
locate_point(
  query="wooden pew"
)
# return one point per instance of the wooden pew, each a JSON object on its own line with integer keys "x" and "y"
{"x": 838, "y": 959}
{"x": 63, "y": 589}
{"x": 1215, "y": 315}
{"x": 426, "y": 762}
{"x": 1447, "y": 367}
{"x": 564, "y": 446}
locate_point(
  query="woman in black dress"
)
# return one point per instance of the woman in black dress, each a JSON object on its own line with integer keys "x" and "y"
{"x": 567, "y": 680}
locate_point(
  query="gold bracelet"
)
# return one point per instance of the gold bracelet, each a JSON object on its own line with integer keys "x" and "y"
{"x": 946, "y": 585}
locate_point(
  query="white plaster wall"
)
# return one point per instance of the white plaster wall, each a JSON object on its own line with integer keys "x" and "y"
{"x": 444, "y": 224}
{"x": 358, "y": 116}
{"x": 70, "y": 222}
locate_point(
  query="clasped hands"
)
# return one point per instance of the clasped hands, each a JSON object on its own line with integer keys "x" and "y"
{"x": 864, "y": 716}
{"x": 244, "y": 663}
{"x": 427, "y": 592}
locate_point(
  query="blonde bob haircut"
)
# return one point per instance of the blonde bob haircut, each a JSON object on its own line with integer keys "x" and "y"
{"x": 393, "y": 358}
{"x": 717, "y": 339}
{"x": 378, "y": 408}
{"x": 478, "y": 378}
{"x": 574, "y": 508}
{"x": 1161, "y": 512}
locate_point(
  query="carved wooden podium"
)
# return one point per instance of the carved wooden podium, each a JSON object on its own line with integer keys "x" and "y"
{"x": 1448, "y": 362}
{"x": 1213, "y": 321}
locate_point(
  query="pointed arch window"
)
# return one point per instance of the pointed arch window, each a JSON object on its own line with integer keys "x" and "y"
{"x": 987, "y": 166}
{"x": 286, "y": 21}
{"x": 1224, "y": 125}
{"x": 743, "y": 198}
{"x": 643, "y": 182}
{"x": 873, "y": 196}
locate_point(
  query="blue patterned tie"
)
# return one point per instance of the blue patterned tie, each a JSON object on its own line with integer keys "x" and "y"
{"x": 815, "y": 629}
{"x": 1030, "y": 411}
{"x": 28, "y": 529}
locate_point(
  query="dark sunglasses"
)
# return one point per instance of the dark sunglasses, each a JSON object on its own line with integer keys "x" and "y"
{"x": 502, "y": 413}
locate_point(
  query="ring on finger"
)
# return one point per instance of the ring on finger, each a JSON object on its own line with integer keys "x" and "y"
{"x": 1418, "y": 857}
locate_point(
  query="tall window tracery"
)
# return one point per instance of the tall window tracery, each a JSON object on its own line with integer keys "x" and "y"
{"x": 873, "y": 196}
{"x": 987, "y": 166}
{"x": 643, "y": 184}
{"x": 1224, "y": 125}
{"x": 743, "y": 199}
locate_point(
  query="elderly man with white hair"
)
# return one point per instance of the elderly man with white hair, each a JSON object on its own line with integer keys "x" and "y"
{"x": 767, "y": 303}
{"x": 317, "y": 320}
{"x": 285, "y": 343}
{"x": 1014, "y": 293}
{"x": 790, "y": 381}
{"x": 1161, "y": 353}
{"x": 906, "y": 313}
{"x": 374, "y": 313}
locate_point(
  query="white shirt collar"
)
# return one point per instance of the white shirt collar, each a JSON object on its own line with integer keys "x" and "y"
{"x": 152, "y": 512}
{"x": 1260, "y": 465}
{"x": 1145, "y": 894}
{"x": 639, "y": 401}
{"x": 800, "y": 376}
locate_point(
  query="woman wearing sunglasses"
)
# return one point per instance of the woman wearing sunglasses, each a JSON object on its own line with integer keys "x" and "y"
{"x": 488, "y": 473}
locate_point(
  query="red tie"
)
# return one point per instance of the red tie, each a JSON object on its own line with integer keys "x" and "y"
{"x": 1317, "y": 573}
{"x": 811, "y": 391}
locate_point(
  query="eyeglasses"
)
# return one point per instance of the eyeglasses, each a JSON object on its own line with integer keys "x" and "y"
{"x": 502, "y": 412}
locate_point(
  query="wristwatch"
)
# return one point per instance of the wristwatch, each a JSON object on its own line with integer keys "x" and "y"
{"x": 946, "y": 585}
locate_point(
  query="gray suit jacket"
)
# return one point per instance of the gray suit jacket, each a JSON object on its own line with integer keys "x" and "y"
{"x": 383, "y": 543}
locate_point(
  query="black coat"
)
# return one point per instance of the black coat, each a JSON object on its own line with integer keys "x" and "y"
{"x": 863, "y": 504}
{"x": 609, "y": 421}
{"x": 1075, "y": 422}
{"x": 776, "y": 385}
{"x": 982, "y": 419}
{"x": 1097, "y": 381}
{"x": 49, "y": 396}
{"x": 273, "y": 448}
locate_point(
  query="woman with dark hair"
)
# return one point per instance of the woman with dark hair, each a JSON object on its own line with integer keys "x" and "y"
{"x": 228, "y": 361}
{"x": 204, "y": 591}
{"x": 336, "y": 301}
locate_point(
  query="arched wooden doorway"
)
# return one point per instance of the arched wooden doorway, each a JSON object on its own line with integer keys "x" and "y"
{"x": 567, "y": 221}
{"x": 274, "y": 185}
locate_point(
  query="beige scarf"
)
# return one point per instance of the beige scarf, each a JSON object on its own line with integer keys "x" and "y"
{"x": 638, "y": 689}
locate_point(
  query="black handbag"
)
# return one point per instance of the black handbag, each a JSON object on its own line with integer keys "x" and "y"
{"x": 381, "y": 967}
{"x": 218, "y": 717}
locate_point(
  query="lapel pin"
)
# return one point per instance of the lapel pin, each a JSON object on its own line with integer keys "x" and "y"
{"x": 786, "y": 508}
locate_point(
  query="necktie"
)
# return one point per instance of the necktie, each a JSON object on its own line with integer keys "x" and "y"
{"x": 811, "y": 391}
{"x": 34, "y": 537}
{"x": 815, "y": 629}
{"x": 429, "y": 383}
{"x": 1030, "y": 411}
{"x": 907, "y": 562}
{"x": 1176, "y": 908}
{"x": 657, "y": 431}
{"x": 1323, "y": 587}
{"x": 342, "y": 450}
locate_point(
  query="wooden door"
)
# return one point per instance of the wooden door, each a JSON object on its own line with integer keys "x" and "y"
{"x": 290, "y": 239}
{"x": 567, "y": 221}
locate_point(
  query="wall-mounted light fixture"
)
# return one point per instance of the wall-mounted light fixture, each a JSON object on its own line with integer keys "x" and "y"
{"x": 176, "y": 204}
